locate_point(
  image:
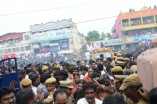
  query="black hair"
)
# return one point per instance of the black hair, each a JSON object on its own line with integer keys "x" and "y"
{"x": 79, "y": 81}
{"x": 56, "y": 73}
{"x": 105, "y": 76}
{"x": 152, "y": 95}
{"x": 5, "y": 90}
{"x": 122, "y": 66}
{"x": 89, "y": 85}
{"x": 101, "y": 55}
{"x": 114, "y": 99}
{"x": 59, "y": 92}
{"x": 24, "y": 96}
{"x": 34, "y": 78}
{"x": 39, "y": 103}
{"x": 109, "y": 59}
{"x": 100, "y": 81}
{"x": 63, "y": 73}
{"x": 100, "y": 67}
{"x": 78, "y": 95}
{"x": 40, "y": 69}
{"x": 91, "y": 61}
{"x": 77, "y": 74}
{"x": 132, "y": 63}
{"x": 13, "y": 67}
{"x": 74, "y": 68}
{"x": 28, "y": 70}
{"x": 95, "y": 74}
{"x": 109, "y": 67}
{"x": 78, "y": 62}
{"x": 23, "y": 72}
{"x": 61, "y": 62}
{"x": 98, "y": 59}
{"x": 83, "y": 68}
{"x": 44, "y": 77}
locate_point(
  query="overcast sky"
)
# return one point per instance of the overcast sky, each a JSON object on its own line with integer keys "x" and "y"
{"x": 51, "y": 10}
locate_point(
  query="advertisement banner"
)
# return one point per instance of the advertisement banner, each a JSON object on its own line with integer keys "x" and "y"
{"x": 54, "y": 48}
{"x": 47, "y": 36}
{"x": 112, "y": 42}
{"x": 64, "y": 44}
{"x": 129, "y": 39}
{"x": 141, "y": 38}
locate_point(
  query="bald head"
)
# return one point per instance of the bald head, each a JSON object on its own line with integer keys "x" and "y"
{"x": 60, "y": 97}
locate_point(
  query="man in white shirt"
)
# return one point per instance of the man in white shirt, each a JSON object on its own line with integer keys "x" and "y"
{"x": 89, "y": 90}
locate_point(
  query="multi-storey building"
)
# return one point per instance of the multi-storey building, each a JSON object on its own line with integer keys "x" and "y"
{"x": 136, "y": 26}
{"x": 61, "y": 36}
{"x": 17, "y": 43}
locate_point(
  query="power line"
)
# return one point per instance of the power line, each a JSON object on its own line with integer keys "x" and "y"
{"x": 51, "y": 9}
{"x": 95, "y": 19}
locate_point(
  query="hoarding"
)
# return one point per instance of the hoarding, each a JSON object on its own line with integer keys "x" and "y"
{"x": 64, "y": 44}
{"x": 51, "y": 35}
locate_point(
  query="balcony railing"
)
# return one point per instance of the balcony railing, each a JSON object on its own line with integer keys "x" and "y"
{"x": 139, "y": 26}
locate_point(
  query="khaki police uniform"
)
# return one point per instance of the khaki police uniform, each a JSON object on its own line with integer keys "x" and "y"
{"x": 49, "y": 99}
{"x": 116, "y": 69}
{"x": 131, "y": 80}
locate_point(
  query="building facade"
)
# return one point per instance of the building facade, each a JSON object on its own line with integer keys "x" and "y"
{"x": 61, "y": 36}
{"x": 135, "y": 27}
{"x": 15, "y": 43}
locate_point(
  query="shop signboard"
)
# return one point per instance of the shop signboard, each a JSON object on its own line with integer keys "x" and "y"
{"x": 64, "y": 44}
{"x": 141, "y": 38}
{"x": 129, "y": 39}
{"x": 48, "y": 36}
{"x": 54, "y": 48}
{"x": 112, "y": 42}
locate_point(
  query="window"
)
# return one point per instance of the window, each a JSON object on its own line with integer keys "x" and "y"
{"x": 17, "y": 49}
{"x": 3, "y": 42}
{"x": 148, "y": 20}
{"x": 27, "y": 37}
{"x": 14, "y": 49}
{"x": 1, "y": 52}
{"x": 6, "y": 50}
{"x": 9, "y": 50}
{"x": 125, "y": 23}
{"x": 135, "y": 21}
{"x": 9, "y": 41}
{"x": 28, "y": 47}
{"x": 22, "y": 48}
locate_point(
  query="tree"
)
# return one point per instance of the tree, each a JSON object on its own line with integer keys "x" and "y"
{"x": 103, "y": 36}
{"x": 109, "y": 36}
{"x": 93, "y": 36}
{"x": 106, "y": 36}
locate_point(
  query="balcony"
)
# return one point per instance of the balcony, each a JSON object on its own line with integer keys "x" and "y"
{"x": 139, "y": 26}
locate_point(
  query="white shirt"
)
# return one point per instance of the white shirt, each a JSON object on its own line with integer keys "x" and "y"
{"x": 34, "y": 90}
{"x": 43, "y": 88}
{"x": 87, "y": 54}
{"x": 84, "y": 101}
{"x": 81, "y": 77}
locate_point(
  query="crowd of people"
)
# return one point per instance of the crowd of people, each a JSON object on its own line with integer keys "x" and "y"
{"x": 112, "y": 80}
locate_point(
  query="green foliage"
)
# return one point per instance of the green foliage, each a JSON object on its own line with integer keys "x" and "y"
{"x": 95, "y": 36}
{"x": 106, "y": 36}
